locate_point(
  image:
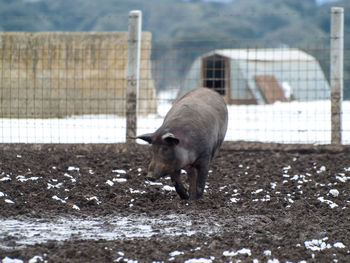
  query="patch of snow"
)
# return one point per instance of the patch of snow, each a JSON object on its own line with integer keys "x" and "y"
{"x": 95, "y": 199}
{"x": 36, "y": 259}
{"x": 257, "y": 191}
{"x": 290, "y": 122}
{"x": 267, "y": 252}
{"x": 266, "y": 198}
{"x": 119, "y": 171}
{"x": 132, "y": 191}
{"x": 9, "y": 201}
{"x": 342, "y": 178}
{"x": 76, "y": 207}
{"x": 242, "y": 251}
{"x": 339, "y": 245}
{"x": 273, "y": 185}
{"x": 55, "y": 197}
{"x": 234, "y": 199}
{"x": 35, "y": 231}
{"x": 222, "y": 187}
{"x": 328, "y": 202}
{"x": 168, "y": 188}
{"x": 7, "y": 178}
{"x": 11, "y": 260}
{"x": 290, "y": 200}
{"x": 295, "y": 177}
{"x": 70, "y": 177}
{"x": 199, "y": 260}
{"x": 317, "y": 244}
{"x": 125, "y": 260}
{"x": 22, "y": 178}
{"x": 119, "y": 180}
{"x": 286, "y": 168}
{"x": 72, "y": 168}
{"x": 321, "y": 170}
{"x": 109, "y": 182}
{"x": 176, "y": 253}
{"x": 334, "y": 192}
{"x": 49, "y": 186}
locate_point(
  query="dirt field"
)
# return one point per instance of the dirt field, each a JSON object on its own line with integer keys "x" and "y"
{"x": 91, "y": 203}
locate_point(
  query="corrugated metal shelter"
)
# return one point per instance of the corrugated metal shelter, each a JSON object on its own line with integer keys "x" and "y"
{"x": 259, "y": 76}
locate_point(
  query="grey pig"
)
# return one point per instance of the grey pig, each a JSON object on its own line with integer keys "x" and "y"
{"x": 191, "y": 133}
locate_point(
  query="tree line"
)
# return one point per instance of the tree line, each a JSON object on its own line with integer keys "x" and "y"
{"x": 188, "y": 24}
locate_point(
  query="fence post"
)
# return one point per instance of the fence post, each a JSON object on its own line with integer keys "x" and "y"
{"x": 133, "y": 74}
{"x": 336, "y": 73}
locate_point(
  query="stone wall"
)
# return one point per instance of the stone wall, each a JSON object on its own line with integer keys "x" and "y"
{"x": 57, "y": 74}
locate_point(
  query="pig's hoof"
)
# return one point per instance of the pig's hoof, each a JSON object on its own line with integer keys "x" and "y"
{"x": 184, "y": 196}
{"x": 195, "y": 197}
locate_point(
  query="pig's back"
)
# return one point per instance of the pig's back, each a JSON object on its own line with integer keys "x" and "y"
{"x": 202, "y": 116}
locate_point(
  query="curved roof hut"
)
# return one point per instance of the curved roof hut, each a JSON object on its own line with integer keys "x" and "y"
{"x": 259, "y": 76}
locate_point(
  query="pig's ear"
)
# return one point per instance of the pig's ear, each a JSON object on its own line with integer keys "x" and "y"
{"x": 170, "y": 139}
{"x": 146, "y": 137}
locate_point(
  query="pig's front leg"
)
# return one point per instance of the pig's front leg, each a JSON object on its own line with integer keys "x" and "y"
{"x": 180, "y": 189}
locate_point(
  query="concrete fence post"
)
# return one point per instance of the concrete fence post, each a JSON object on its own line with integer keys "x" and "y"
{"x": 336, "y": 72}
{"x": 133, "y": 73}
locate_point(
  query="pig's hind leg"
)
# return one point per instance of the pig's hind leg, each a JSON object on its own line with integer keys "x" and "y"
{"x": 192, "y": 181}
{"x": 197, "y": 176}
{"x": 202, "y": 169}
{"x": 179, "y": 187}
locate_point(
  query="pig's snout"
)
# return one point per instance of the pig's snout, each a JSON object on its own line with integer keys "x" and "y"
{"x": 150, "y": 176}
{"x": 155, "y": 171}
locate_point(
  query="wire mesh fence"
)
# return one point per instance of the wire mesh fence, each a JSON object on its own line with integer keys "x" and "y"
{"x": 273, "y": 94}
{"x": 71, "y": 88}
{"x": 68, "y": 87}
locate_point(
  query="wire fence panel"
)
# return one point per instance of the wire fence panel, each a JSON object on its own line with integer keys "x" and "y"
{"x": 273, "y": 94}
{"x": 67, "y": 87}
{"x": 70, "y": 88}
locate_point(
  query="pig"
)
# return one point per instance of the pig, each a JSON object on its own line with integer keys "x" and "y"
{"x": 192, "y": 131}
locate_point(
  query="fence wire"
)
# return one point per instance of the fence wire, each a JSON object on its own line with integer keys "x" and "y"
{"x": 73, "y": 91}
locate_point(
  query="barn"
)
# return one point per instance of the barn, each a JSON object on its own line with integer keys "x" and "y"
{"x": 259, "y": 76}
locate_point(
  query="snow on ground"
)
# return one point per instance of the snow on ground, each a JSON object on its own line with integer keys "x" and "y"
{"x": 32, "y": 231}
{"x": 293, "y": 122}
{"x": 35, "y": 231}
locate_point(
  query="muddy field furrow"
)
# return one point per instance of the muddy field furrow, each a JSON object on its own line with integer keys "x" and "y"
{"x": 92, "y": 203}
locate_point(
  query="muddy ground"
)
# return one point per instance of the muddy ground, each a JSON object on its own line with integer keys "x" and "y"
{"x": 263, "y": 203}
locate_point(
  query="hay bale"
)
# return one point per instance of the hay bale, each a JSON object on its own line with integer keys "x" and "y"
{"x": 57, "y": 74}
